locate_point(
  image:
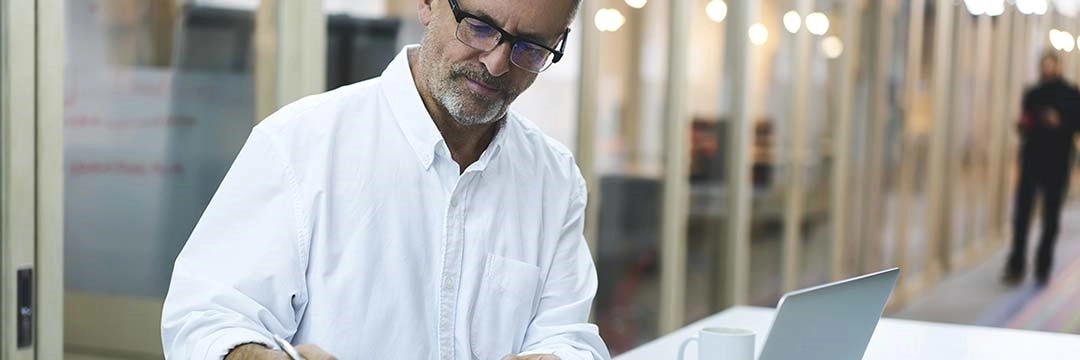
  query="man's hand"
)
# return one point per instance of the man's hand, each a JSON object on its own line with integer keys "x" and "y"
{"x": 531, "y": 357}
{"x": 260, "y": 352}
{"x": 312, "y": 352}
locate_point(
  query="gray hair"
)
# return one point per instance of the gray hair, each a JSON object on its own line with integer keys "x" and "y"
{"x": 574, "y": 10}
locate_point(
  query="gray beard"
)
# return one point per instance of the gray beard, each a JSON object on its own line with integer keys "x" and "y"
{"x": 454, "y": 103}
{"x": 453, "y": 99}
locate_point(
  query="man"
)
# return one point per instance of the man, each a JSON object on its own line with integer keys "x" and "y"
{"x": 1047, "y": 126}
{"x": 406, "y": 217}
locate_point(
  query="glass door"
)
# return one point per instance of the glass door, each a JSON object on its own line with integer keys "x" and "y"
{"x": 158, "y": 100}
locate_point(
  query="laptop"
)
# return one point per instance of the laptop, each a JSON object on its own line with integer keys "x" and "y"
{"x": 829, "y": 322}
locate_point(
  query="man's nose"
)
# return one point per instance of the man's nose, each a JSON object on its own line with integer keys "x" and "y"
{"x": 497, "y": 61}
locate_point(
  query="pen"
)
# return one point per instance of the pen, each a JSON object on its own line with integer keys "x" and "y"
{"x": 287, "y": 348}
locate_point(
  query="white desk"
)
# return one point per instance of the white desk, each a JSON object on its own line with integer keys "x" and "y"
{"x": 893, "y": 339}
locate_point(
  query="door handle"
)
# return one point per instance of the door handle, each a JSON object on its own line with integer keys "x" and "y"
{"x": 24, "y": 337}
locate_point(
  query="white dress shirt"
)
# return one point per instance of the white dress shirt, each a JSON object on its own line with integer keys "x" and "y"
{"x": 345, "y": 223}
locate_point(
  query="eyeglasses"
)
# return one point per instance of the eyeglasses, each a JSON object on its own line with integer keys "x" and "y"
{"x": 526, "y": 54}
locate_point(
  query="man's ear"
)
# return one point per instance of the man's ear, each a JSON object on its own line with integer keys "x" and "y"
{"x": 424, "y": 11}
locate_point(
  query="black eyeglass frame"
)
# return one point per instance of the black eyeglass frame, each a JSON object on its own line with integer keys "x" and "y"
{"x": 505, "y": 36}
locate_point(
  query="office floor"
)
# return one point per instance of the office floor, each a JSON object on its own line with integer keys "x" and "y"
{"x": 977, "y": 297}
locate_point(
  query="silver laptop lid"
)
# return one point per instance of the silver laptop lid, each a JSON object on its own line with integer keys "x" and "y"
{"x": 829, "y": 322}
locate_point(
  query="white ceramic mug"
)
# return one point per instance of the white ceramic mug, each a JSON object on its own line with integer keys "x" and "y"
{"x": 718, "y": 343}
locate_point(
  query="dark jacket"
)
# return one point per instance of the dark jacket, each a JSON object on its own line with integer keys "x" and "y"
{"x": 1040, "y": 140}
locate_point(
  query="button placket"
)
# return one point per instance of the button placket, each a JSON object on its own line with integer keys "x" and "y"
{"x": 455, "y": 231}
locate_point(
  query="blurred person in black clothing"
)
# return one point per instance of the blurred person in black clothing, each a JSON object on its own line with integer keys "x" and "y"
{"x": 1047, "y": 125}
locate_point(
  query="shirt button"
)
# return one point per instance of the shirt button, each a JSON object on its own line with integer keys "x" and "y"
{"x": 448, "y": 284}
{"x": 453, "y": 202}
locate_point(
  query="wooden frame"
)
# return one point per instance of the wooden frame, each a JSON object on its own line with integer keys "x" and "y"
{"x": 32, "y": 193}
{"x": 291, "y": 46}
{"x": 18, "y": 228}
{"x": 50, "y": 179}
{"x": 795, "y": 195}
{"x": 741, "y": 59}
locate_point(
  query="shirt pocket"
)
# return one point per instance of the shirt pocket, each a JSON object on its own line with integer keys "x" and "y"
{"x": 503, "y": 308}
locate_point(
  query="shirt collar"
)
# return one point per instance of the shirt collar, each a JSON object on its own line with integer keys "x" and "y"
{"x": 495, "y": 147}
{"x": 419, "y": 128}
{"x": 408, "y": 109}
{"x": 486, "y": 157}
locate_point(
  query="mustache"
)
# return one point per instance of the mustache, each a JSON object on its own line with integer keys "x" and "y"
{"x": 480, "y": 75}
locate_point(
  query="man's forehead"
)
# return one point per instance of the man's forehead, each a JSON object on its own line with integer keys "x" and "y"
{"x": 538, "y": 19}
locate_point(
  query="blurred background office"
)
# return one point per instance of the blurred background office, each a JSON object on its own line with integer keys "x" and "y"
{"x": 734, "y": 149}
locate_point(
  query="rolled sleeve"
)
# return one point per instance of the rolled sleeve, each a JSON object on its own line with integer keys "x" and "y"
{"x": 227, "y": 339}
{"x": 565, "y": 352}
{"x": 241, "y": 276}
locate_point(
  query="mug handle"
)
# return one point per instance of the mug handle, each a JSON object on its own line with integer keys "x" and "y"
{"x": 682, "y": 348}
